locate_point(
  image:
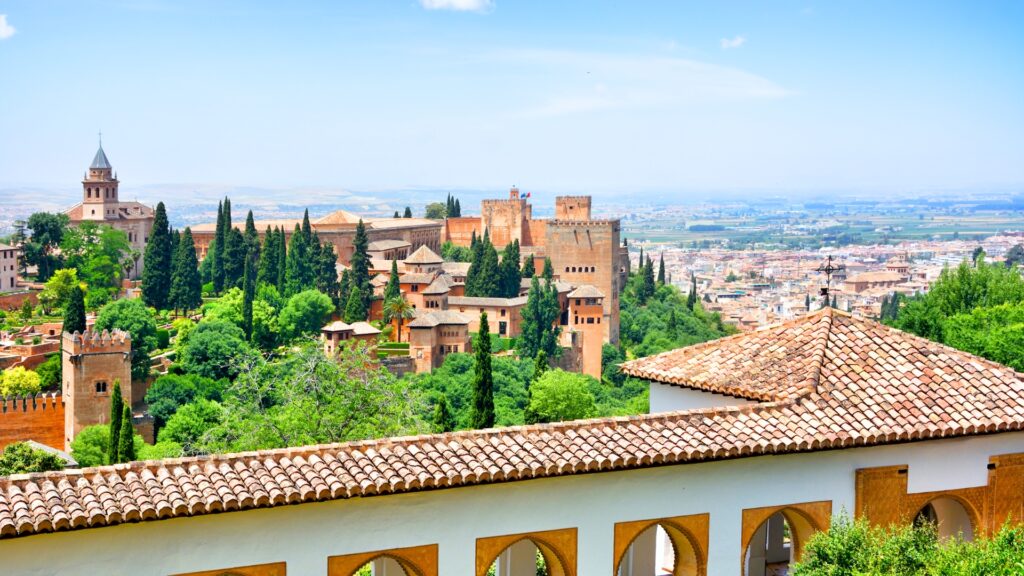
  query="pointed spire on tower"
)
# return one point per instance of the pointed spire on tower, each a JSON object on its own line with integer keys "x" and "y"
{"x": 100, "y": 162}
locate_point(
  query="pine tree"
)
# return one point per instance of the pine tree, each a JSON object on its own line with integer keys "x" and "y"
{"x": 483, "y": 381}
{"x": 408, "y": 212}
{"x": 74, "y": 311}
{"x": 248, "y": 293}
{"x": 647, "y": 287}
{"x": 641, "y": 260}
{"x": 360, "y": 265}
{"x": 186, "y": 286}
{"x": 444, "y": 420}
{"x": 307, "y": 229}
{"x": 549, "y": 270}
{"x": 476, "y": 257}
{"x": 297, "y": 275}
{"x": 156, "y": 268}
{"x": 528, "y": 268}
{"x": 487, "y": 280}
{"x": 449, "y": 206}
{"x": 217, "y": 250}
{"x": 458, "y": 209}
{"x": 126, "y": 437}
{"x": 234, "y": 258}
{"x": 661, "y": 269}
{"x": 396, "y": 215}
{"x": 116, "y": 415}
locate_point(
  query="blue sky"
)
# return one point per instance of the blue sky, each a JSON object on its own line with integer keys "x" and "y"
{"x": 571, "y": 96}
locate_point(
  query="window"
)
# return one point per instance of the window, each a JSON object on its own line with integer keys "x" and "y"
{"x": 590, "y": 320}
{"x": 502, "y": 311}
{"x": 101, "y": 387}
{"x": 415, "y": 287}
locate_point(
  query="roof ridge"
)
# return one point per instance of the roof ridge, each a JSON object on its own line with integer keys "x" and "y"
{"x": 819, "y": 360}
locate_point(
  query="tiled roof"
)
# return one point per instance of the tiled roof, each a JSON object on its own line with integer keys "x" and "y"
{"x": 424, "y": 255}
{"x": 441, "y": 285}
{"x": 586, "y": 291}
{"x": 378, "y": 245}
{"x": 853, "y": 382}
{"x": 417, "y": 278}
{"x": 437, "y": 318}
{"x": 99, "y": 161}
{"x": 479, "y": 301}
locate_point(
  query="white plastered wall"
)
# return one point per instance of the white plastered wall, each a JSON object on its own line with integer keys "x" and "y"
{"x": 668, "y": 398}
{"x": 306, "y": 534}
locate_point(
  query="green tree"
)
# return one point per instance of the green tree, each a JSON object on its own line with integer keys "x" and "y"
{"x": 18, "y": 381}
{"x": 528, "y": 268}
{"x": 190, "y": 424}
{"x": 248, "y": 293}
{"x": 133, "y": 317}
{"x": 408, "y": 212}
{"x": 327, "y": 273}
{"x": 1014, "y": 256}
{"x": 305, "y": 314}
{"x": 74, "y": 311}
{"x": 269, "y": 257}
{"x": 50, "y": 372}
{"x": 170, "y": 392}
{"x": 549, "y": 270}
{"x": 539, "y": 330}
{"x": 58, "y": 289}
{"x": 91, "y": 446}
{"x": 509, "y": 275}
{"x": 234, "y": 258}
{"x": 252, "y": 242}
{"x": 214, "y": 350}
{"x": 126, "y": 437}
{"x": 42, "y": 247}
{"x": 354, "y": 309}
{"x": 299, "y": 274}
{"x": 483, "y": 380}
{"x": 661, "y": 269}
{"x": 101, "y": 254}
{"x": 393, "y": 288}
{"x": 220, "y": 238}
{"x": 444, "y": 421}
{"x": 116, "y": 422}
{"x": 21, "y": 458}
{"x": 558, "y": 396}
{"x": 282, "y": 262}
{"x": 691, "y": 298}
{"x": 458, "y": 209}
{"x": 156, "y": 267}
{"x": 186, "y": 286}
{"x": 436, "y": 211}
{"x": 359, "y": 276}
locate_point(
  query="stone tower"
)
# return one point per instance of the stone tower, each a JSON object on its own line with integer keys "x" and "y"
{"x": 99, "y": 189}
{"x": 92, "y": 363}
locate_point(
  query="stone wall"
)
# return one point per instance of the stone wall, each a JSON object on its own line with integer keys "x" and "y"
{"x": 39, "y": 418}
{"x": 459, "y": 231}
{"x": 588, "y": 253}
{"x": 13, "y": 301}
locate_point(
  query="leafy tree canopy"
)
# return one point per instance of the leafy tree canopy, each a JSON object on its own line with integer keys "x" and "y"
{"x": 133, "y": 317}
{"x": 21, "y": 458}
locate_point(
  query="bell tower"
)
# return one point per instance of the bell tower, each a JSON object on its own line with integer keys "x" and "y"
{"x": 99, "y": 189}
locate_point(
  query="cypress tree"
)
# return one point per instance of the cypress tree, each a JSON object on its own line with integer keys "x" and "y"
{"x": 282, "y": 261}
{"x": 126, "y": 437}
{"x": 396, "y": 215}
{"x": 449, "y": 206}
{"x": 648, "y": 280}
{"x": 807, "y": 302}
{"x": 661, "y": 269}
{"x": 483, "y": 381}
{"x": 156, "y": 268}
{"x": 267, "y": 271}
{"x": 74, "y": 311}
{"x": 673, "y": 323}
{"x": 297, "y": 276}
{"x": 186, "y": 286}
{"x": 307, "y": 230}
{"x": 691, "y": 298}
{"x": 528, "y": 268}
{"x": 509, "y": 275}
{"x": 327, "y": 273}
{"x": 393, "y": 289}
{"x": 458, "y": 209}
{"x": 641, "y": 261}
{"x": 444, "y": 420}
{"x": 360, "y": 265}
{"x": 248, "y": 293}
{"x": 487, "y": 279}
{"x": 354, "y": 309}
{"x": 252, "y": 240}
{"x": 116, "y": 415}
{"x": 549, "y": 270}
{"x": 408, "y": 212}
{"x": 476, "y": 256}
{"x": 345, "y": 287}
{"x": 217, "y": 250}
{"x": 234, "y": 258}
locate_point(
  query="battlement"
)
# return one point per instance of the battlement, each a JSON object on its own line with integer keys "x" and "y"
{"x": 31, "y": 402}
{"x": 97, "y": 342}
{"x": 572, "y": 208}
{"x": 585, "y": 223}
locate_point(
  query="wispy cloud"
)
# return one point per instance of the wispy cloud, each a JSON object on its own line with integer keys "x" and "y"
{"x": 6, "y": 30}
{"x": 735, "y": 42}
{"x": 459, "y": 5}
{"x": 590, "y": 82}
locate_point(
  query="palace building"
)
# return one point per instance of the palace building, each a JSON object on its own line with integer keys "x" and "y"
{"x": 755, "y": 442}
{"x": 583, "y": 250}
{"x": 101, "y": 204}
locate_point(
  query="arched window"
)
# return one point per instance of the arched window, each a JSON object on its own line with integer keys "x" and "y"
{"x": 778, "y": 540}
{"x": 949, "y": 516}
{"x": 549, "y": 553}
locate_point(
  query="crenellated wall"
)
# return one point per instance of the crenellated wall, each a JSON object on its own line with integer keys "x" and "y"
{"x": 39, "y": 418}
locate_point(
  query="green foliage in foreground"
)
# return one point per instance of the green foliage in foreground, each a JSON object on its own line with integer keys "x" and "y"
{"x": 20, "y": 458}
{"x": 855, "y": 548}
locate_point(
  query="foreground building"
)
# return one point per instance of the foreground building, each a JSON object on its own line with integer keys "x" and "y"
{"x": 787, "y": 425}
{"x": 101, "y": 204}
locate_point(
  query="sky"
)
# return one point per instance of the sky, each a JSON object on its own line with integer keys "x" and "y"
{"x": 570, "y": 96}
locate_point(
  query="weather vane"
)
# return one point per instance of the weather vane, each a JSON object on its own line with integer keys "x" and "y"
{"x": 828, "y": 269}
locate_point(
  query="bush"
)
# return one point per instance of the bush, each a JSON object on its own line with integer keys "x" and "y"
{"x": 163, "y": 338}
{"x": 20, "y": 458}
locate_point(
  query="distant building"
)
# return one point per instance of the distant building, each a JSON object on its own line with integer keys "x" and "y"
{"x": 101, "y": 204}
{"x": 337, "y": 333}
{"x": 8, "y": 268}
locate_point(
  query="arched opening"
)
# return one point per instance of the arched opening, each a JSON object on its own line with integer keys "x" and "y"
{"x": 527, "y": 557}
{"x": 386, "y": 565}
{"x": 949, "y": 516}
{"x": 662, "y": 549}
{"x": 777, "y": 543}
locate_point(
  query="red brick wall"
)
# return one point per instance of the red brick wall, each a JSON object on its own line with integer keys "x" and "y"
{"x": 13, "y": 301}
{"x": 40, "y": 419}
